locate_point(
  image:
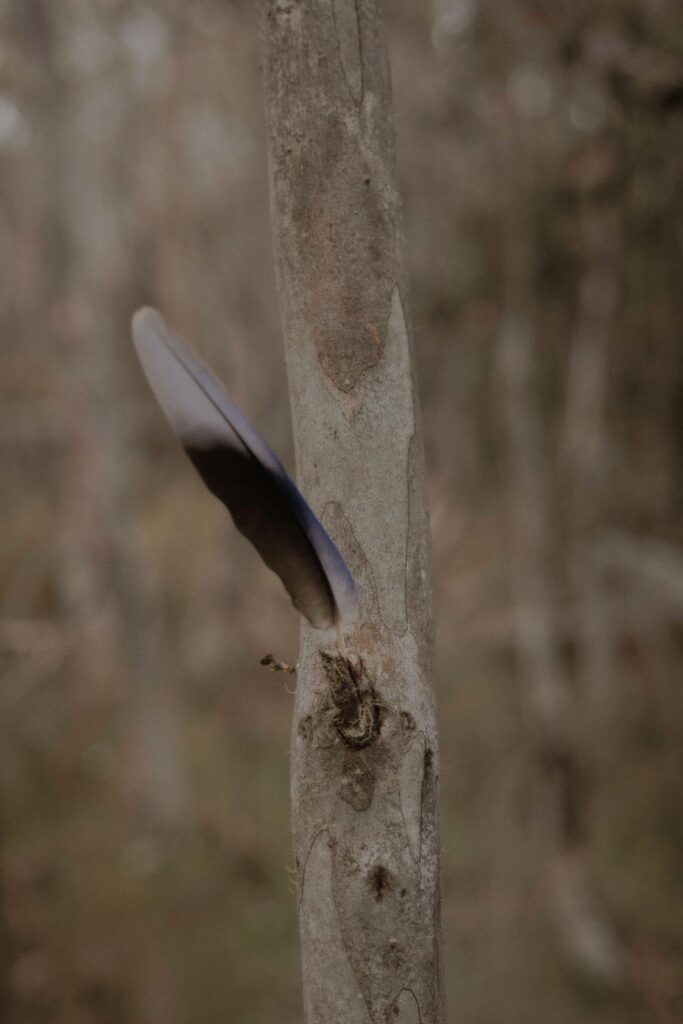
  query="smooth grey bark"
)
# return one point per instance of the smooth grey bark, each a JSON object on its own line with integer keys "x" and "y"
{"x": 364, "y": 803}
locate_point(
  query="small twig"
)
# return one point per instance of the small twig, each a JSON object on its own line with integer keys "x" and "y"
{"x": 274, "y": 665}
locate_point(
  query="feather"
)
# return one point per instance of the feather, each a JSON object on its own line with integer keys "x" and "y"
{"x": 242, "y": 471}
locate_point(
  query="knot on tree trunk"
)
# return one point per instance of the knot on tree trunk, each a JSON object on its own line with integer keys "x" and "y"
{"x": 356, "y": 709}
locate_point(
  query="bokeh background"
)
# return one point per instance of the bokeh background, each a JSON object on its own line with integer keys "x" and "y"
{"x": 144, "y": 835}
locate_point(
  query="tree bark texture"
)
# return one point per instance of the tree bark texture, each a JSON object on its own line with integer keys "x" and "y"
{"x": 364, "y": 745}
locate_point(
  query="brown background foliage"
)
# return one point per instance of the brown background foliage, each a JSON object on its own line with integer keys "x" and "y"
{"x": 144, "y": 835}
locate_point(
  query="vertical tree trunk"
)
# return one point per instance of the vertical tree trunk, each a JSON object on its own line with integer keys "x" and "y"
{"x": 585, "y": 931}
{"x": 6, "y": 940}
{"x": 585, "y": 458}
{"x": 364, "y": 802}
{"x": 100, "y": 552}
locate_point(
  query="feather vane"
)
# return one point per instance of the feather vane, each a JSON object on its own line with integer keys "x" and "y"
{"x": 243, "y": 472}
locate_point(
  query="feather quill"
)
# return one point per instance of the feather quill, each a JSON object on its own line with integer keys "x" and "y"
{"x": 242, "y": 471}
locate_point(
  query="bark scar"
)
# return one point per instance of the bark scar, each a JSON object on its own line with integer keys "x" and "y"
{"x": 357, "y": 786}
{"x": 341, "y": 528}
{"x": 411, "y": 775}
{"x": 356, "y": 708}
{"x": 405, "y": 1008}
{"x": 322, "y": 929}
{"x": 315, "y": 839}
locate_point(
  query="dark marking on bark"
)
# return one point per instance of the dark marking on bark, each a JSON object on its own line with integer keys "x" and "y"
{"x": 358, "y": 779}
{"x": 407, "y": 721}
{"x": 428, "y": 813}
{"x": 380, "y": 882}
{"x": 429, "y": 791}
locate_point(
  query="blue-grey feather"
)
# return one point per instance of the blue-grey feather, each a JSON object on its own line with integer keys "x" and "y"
{"x": 240, "y": 469}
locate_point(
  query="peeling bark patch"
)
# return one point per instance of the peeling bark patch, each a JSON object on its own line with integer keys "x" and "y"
{"x": 407, "y": 721}
{"x": 380, "y": 882}
{"x": 339, "y": 526}
{"x": 347, "y": 302}
{"x": 324, "y": 951}
{"x": 357, "y": 784}
{"x": 355, "y": 706}
{"x": 348, "y": 315}
{"x": 348, "y": 36}
{"x": 411, "y": 774}
{"x": 405, "y": 1009}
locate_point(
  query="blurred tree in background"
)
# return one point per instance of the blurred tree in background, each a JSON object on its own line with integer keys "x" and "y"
{"x": 144, "y": 836}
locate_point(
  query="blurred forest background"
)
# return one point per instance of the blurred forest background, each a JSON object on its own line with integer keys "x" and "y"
{"x": 144, "y": 833}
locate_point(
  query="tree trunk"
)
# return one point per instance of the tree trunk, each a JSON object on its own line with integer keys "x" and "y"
{"x": 585, "y": 459}
{"x": 156, "y": 786}
{"x": 585, "y": 931}
{"x": 364, "y": 800}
